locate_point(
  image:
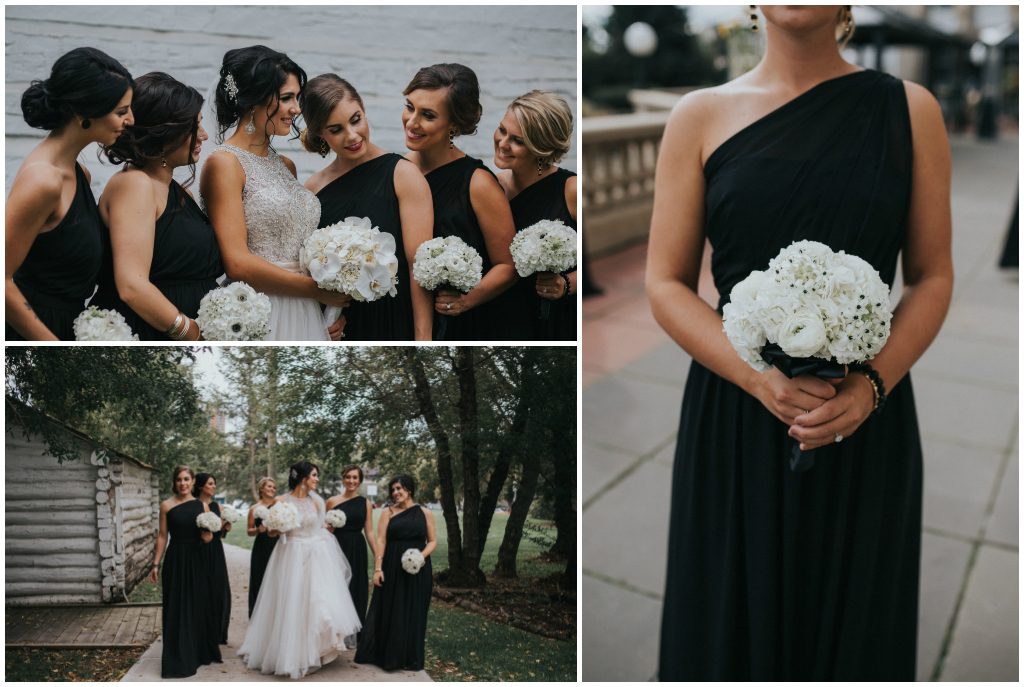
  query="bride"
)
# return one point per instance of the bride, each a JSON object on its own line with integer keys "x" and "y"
{"x": 259, "y": 211}
{"x": 304, "y": 610}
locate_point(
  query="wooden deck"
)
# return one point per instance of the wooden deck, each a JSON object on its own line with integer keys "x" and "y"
{"x": 85, "y": 626}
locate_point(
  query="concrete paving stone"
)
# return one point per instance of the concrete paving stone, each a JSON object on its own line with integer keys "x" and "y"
{"x": 970, "y": 360}
{"x": 943, "y": 564}
{"x": 667, "y": 364}
{"x": 611, "y": 344}
{"x": 1004, "y": 523}
{"x": 958, "y": 484}
{"x": 982, "y": 416}
{"x": 621, "y": 633}
{"x": 601, "y": 465}
{"x": 666, "y": 456}
{"x": 616, "y": 544}
{"x": 969, "y": 317}
{"x": 993, "y": 292}
{"x": 984, "y": 645}
{"x": 630, "y": 414}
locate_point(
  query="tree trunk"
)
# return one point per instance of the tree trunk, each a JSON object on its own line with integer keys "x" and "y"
{"x": 565, "y": 489}
{"x": 470, "y": 574}
{"x": 506, "y": 565}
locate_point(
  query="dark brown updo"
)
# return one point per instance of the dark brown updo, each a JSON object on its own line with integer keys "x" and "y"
{"x": 317, "y": 100}
{"x": 463, "y": 102}
{"x": 349, "y": 468}
{"x": 85, "y": 81}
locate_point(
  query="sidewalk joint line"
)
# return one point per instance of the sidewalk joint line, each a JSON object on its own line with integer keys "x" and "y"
{"x": 622, "y": 584}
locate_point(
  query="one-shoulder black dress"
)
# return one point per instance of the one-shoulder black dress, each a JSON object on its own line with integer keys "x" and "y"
{"x": 187, "y": 641}
{"x": 262, "y": 547}
{"x": 185, "y": 267}
{"x": 396, "y": 623}
{"x": 369, "y": 191}
{"x": 545, "y": 199}
{"x": 774, "y": 574}
{"x": 216, "y": 568}
{"x": 59, "y": 273}
{"x": 454, "y": 216}
{"x": 353, "y": 545}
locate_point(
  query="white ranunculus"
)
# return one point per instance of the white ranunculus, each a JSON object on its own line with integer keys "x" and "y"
{"x": 447, "y": 261}
{"x": 413, "y": 561}
{"x": 236, "y": 312}
{"x": 96, "y": 324}
{"x": 745, "y": 292}
{"x": 336, "y": 518}
{"x": 802, "y": 335}
{"x": 547, "y": 246}
{"x": 260, "y": 512}
{"x": 230, "y": 514}
{"x": 208, "y": 520}
{"x": 282, "y": 517}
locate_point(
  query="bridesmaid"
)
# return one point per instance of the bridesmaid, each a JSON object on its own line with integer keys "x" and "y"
{"x": 53, "y": 244}
{"x": 442, "y": 102}
{"x": 364, "y": 180}
{"x": 264, "y": 544}
{"x": 396, "y": 623}
{"x": 358, "y": 521}
{"x": 187, "y": 641}
{"x": 533, "y": 136}
{"x": 165, "y": 256}
{"x": 215, "y": 564}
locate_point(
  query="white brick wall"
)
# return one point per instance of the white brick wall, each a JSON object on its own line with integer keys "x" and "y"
{"x": 377, "y": 48}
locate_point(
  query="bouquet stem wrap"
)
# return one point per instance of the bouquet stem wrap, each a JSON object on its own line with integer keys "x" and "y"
{"x": 801, "y": 461}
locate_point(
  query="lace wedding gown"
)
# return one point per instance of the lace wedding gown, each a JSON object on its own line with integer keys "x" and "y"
{"x": 304, "y": 610}
{"x": 280, "y": 213}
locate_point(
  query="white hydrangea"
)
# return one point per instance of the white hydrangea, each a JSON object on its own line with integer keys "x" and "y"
{"x": 260, "y": 512}
{"x": 336, "y": 518}
{"x": 547, "y": 246}
{"x": 236, "y": 312}
{"x": 208, "y": 520}
{"x": 447, "y": 261}
{"x": 230, "y": 514}
{"x": 352, "y": 257}
{"x": 96, "y": 324}
{"x": 413, "y": 561}
{"x": 282, "y": 517}
{"x": 813, "y": 303}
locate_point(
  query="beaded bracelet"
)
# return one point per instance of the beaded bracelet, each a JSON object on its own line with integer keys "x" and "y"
{"x": 565, "y": 278}
{"x": 877, "y": 385}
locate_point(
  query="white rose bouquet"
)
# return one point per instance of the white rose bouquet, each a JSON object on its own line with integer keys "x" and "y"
{"x": 230, "y": 514}
{"x": 260, "y": 512}
{"x": 813, "y": 311}
{"x": 447, "y": 262}
{"x": 282, "y": 517}
{"x": 413, "y": 561}
{"x": 547, "y": 246}
{"x": 236, "y": 312}
{"x": 336, "y": 518}
{"x": 208, "y": 521}
{"x": 96, "y": 324}
{"x": 352, "y": 257}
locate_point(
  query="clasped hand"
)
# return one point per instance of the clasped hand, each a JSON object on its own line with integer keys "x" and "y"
{"x": 816, "y": 410}
{"x": 448, "y": 302}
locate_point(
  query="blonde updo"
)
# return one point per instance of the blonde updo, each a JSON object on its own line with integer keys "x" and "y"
{"x": 546, "y": 122}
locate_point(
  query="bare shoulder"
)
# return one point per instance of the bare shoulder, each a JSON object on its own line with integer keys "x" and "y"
{"x": 505, "y": 179}
{"x": 222, "y": 162}
{"x": 408, "y": 173}
{"x": 333, "y": 501}
{"x": 41, "y": 179}
{"x": 315, "y": 182}
{"x": 132, "y": 182}
{"x": 925, "y": 112}
{"x": 570, "y": 187}
{"x": 484, "y": 182}
{"x": 87, "y": 173}
{"x": 290, "y": 165}
{"x": 427, "y": 512}
{"x": 166, "y": 504}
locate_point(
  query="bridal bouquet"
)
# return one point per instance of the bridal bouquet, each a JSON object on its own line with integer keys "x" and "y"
{"x": 236, "y": 312}
{"x": 260, "y": 512}
{"x": 352, "y": 257}
{"x": 813, "y": 311}
{"x": 282, "y": 517}
{"x": 547, "y": 246}
{"x": 336, "y": 519}
{"x": 413, "y": 561}
{"x": 447, "y": 262}
{"x": 230, "y": 514}
{"x": 94, "y": 324}
{"x": 208, "y": 521}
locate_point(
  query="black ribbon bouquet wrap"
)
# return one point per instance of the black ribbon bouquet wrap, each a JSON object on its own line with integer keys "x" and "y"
{"x": 801, "y": 461}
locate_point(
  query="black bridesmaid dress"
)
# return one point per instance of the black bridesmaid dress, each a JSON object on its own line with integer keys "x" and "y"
{"x": 369, "y": 191}
{"x": 774, "y": 574}
{"x": 59, "y": 273}
{"x": 454, "y": 216}
{"x": 216, "y": 567}
{"x": 396, "y": 623}
{"x": 353, "y": 545}
{"x": 545, "y": 199}
{"x": 186, "y": 263}
{"x": 262, "y": 547}
{"x": 187, "y": 641}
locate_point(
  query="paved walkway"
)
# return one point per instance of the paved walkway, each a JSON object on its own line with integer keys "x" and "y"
{"x": 342, "y": 669}
{"x": 82, "y": 626}
{"x": 967, "y": 397}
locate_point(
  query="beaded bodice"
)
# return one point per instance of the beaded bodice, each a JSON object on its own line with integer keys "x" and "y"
{"x": 280, "y": 213}
{"x": 311, "y": 515}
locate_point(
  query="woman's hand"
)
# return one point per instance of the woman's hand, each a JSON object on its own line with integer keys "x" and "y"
{"x": 338, "y": 300}
{"x": 842, "y": 415}
{"x": 154, "y": 574}
{"x": 206, "y": 536}
{"x": 452, "y": 303}
{"x": 551, "y": 285}
{"x": 788, "y": 398}
{"x": 262, "y": 529}
{"x": 330, "y": 528}
{"x": 378, "y": 578}
{"x": 225, "y": 525}
{"x": 273, "y": 533}
{"x": 337, "y": 330}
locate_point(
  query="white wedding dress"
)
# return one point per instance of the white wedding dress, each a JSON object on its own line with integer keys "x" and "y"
{"x": 304, "y": 610}
{"x": 280, "y": 214}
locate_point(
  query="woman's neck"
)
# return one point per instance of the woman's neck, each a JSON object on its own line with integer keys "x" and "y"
{"x": 266, "y": 499}
{"x": 432, "y": 158}
{"x": 181, "y": 498}
{"x": 300, "y": 492}
{"x": 798, "y": 61}
{"x": 524, "y": 177}
{"x": 340, "y": 165}
{"x": 158, "y": 172}
{"x": 64, "y": 147}
{"x": 257, "y": 143}
{"x": 205, "y": 499}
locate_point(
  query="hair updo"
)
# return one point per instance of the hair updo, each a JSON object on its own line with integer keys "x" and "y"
{"x": 299, "y": 472}
{"x": 463, "y": 100}
{"x": 257, "y": 73}
{"x": 166, "y": 115}
{"x": 318, "y": 100}
{"x": 406, "y": 481}
{"x": 84, "y": 82}
{"x": 201, "y": 479}
{"x": 349, "y": 468}
{"x": 546, "y": 122}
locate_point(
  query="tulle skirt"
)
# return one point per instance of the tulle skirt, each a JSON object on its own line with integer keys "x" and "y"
{"x": 293, "y": 318}
{"x": 304, "y": 610}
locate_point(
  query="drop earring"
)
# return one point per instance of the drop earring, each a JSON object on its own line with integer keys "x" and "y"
{"x": 163, "y": 161}
{"x": 753, "y": 18}
{"x": 250, "y": 128}
{"x": 451, "y": 138}
{"x": 324, "y": 148}
{"x": 848, "y": 27}
{"x": 541, "y": 166}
